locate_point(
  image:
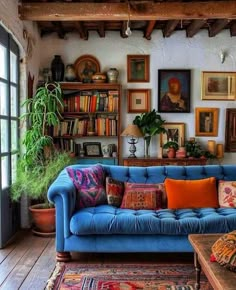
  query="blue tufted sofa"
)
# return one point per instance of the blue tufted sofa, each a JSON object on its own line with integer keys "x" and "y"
{"x": 108, "y": 229}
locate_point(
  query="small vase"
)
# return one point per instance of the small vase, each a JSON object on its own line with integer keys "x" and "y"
{"x": 57, "y": 67}
{"x": 70, "y": 75}
{"x": 112, "y": 75}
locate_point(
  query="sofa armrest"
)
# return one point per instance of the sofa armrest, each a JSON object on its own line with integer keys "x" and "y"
{"x": 62, "y": 193}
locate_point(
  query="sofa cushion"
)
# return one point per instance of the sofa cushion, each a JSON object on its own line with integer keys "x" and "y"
{"x": 191, "y": 193}
{"x": 224, "y": 251}
{"x": 89, "y": 182}
{"x": 106, "y": 220}
{"x": 114, "y": 191}
{"x": 227, "y": 193}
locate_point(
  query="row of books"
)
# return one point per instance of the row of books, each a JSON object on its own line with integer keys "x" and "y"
{"x": 68, "y": 145}
{"x": 93, "y": 101}
{"x": 101, "y": 126}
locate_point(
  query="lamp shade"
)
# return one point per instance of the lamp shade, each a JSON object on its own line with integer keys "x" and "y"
{"x": 132, "y": 130}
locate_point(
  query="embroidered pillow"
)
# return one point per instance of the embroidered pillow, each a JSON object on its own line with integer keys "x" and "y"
{"x": 227, "y": 193}
{"x": 114, "y": 191}
{"x": 224, "y": 251}
{"x": 191, "y": 193}
{"x": 89, "y": 183}
{"x": 141, "y": 196}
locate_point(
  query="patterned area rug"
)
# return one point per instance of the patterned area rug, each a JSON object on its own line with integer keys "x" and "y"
{"x": 125, "y": 277}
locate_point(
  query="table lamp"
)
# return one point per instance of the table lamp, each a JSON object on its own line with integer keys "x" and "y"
{"x": 133, "y": 133}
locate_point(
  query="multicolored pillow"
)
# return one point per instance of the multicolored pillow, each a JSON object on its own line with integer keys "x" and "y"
{"x": 227, "y": 193}
{"x": 141, "y": 196}
{"x": 224, "y": 251}
{"x": 114, "y": 191}
{"x": 89, "y": 183}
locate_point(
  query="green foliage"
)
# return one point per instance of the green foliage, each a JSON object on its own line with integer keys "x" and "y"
{"x": 171, "y": 144}
{"x": 194, "y": 149}
{"x": 35, "y": 182}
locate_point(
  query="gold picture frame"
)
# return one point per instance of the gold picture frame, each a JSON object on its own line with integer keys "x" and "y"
{"x": 218, "y": 86}
{"x": 138, "y": 67}
{"x": 206, "y": 121}
{"x": 139, "y": 100}
{"x": 175, "y": 132}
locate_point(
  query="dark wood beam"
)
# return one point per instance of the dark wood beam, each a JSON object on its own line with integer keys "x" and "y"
{"x": 233, "y": 29}
{"x": 217, "y": 26}
{"x": 81, "y": 30}
{"x": 139, "y": 10}
{"x": 101, "y": 29}
{"x": 170, "y": 27}
{"x": 194, "y": 27}
{"x": 123, "y": 29}
{"x": 59, "y": 29}
{"x": 149, "y": 29}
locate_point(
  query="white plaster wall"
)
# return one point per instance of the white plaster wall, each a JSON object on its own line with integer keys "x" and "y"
{"x": 199, "y": 53}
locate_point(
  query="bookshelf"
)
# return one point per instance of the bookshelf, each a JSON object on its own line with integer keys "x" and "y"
{"x": 91, "y": 116}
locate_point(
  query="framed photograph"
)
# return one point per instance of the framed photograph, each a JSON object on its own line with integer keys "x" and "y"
{"x": 174, "y": 132}
{"x": 92, "y": 149}
{"x": 85, "y": 67}
{"x": 138, "y": 67}
{"x": 218, "y": 86}
{"x": 174, "y": 91}
{"x": 206, "y": 121}
{"x": 139, "y": 100}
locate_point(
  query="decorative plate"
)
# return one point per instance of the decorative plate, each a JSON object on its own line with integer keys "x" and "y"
{"x": 85, "y": 67}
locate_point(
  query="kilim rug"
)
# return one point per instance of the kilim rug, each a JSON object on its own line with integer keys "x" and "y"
{"x": 125, "y": 277}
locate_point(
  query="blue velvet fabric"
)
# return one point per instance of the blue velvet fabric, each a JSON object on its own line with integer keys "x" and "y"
{"x": 108, "y": 229}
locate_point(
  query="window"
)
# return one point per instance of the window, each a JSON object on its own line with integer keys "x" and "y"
{"x": 9, "y": 132}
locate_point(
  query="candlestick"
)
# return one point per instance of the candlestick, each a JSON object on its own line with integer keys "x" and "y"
{"x": 219, "y": 151}
{"x": 211, "y": 146}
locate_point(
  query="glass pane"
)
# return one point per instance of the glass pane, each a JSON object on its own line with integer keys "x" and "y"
{"x": 13, "y": 167}
{"x": 4, "y": 177}
{"x": 4, "y": 136}
{"x": 13, "y": 102}
{"x": 3, "y": 62}
{"x": 3, "y": 99}
{"x": 13, "y": 62}
{"x": 13, "y": 135}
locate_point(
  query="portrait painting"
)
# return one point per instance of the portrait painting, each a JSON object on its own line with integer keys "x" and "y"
{"x": 174, "y": 132}
{"x": 173, "y": 91}
{"x": 218, "y": 86}
{"x": 138, "y": 68}
{"x": 85, "y": 67}
{"x": 206, "y": 121}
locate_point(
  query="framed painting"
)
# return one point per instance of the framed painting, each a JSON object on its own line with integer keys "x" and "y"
{"x": 206, "y": 121}
{"x": 139, "y": 100}
{"x": 93, "y": 149}
{"x": 218, "y": 86}
{"x": 85, "y": 67}
{"x": 138, "y": 67}
{"x": 174, "y": 132}
{"x": 174, "y": 91}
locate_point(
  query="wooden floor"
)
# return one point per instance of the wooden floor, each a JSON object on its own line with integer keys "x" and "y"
{"x": 28, "y": 261}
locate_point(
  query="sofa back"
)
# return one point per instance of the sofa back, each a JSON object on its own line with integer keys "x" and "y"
{"x": 156, "y": 174}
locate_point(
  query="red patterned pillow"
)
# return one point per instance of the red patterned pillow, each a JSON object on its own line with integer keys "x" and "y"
{"x": 137, "y": 196}
{"x": 114, "y": 191}
{"x": 227, "y": 193}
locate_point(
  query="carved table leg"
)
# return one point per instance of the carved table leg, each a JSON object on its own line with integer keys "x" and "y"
{"x": 63, "y": 256}
{"x": 198, "y": 271}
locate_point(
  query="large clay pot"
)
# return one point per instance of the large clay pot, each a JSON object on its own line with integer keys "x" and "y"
{"x": 57, "y": 68}
{"x": 43, "y": 219}
{"x": 171, "y": 152}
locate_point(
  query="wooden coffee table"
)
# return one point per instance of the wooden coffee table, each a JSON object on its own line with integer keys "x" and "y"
{"x": 219, "y": 277}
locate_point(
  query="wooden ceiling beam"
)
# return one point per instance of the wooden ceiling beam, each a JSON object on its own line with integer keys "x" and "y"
{"x": 81, "y": 30}
{"x": 139, "y": 10}
{"x": 233, "y": 29}
{"x": 149, "y": 29}
{"x": 101, "y": 29}
{"x": 217, "y": 26}
{"x": 194, "y": 27}
{"x": 123, "y": 29}
{"x": 59, "y": 29}
{"x": 170, "y": 27}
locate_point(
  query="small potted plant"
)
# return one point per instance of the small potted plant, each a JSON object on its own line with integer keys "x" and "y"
{"x": 172, "y": 147}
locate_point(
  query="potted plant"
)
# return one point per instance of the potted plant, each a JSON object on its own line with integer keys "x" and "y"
{"x": 40, "y": 163}
{"x": 172, "y": 147}
{"x": 151, "y": 124}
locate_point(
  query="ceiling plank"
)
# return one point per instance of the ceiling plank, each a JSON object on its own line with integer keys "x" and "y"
{"x": 217, "y": 26}
{"x": 81, "y": 30}
{"x": 59, "y": 29}
{"x": 233, "y": 29}
{"x": 194, "y": 27}
{"x": 149, "y": 29}
{"x": 170, "y": 27}
{"x": 101, "y": 29}
{"x": 139, "y": 10}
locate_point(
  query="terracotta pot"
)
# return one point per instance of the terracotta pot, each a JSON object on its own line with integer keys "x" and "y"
{"x": 171, "y": 152}
{"x": 43, "y": 219}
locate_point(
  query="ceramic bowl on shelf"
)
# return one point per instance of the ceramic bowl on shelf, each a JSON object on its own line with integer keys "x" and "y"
{"x": 99, "y": 77}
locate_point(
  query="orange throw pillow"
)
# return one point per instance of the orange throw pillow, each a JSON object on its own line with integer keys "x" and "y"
{"x": 191, "y": 193}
